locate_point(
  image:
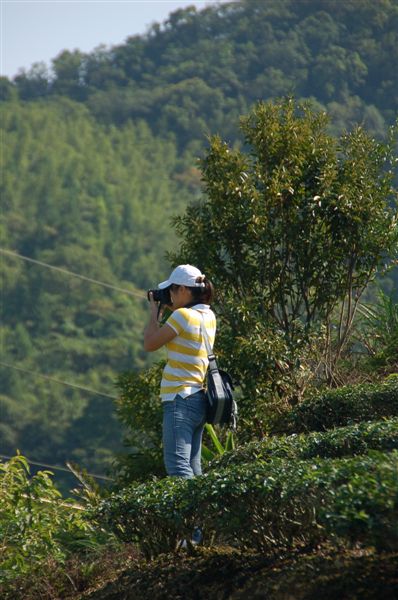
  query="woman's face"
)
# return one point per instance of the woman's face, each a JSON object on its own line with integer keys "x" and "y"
{"x": 180, "y": 296}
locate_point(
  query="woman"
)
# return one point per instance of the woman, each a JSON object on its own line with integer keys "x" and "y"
{"x": 181, "y": 390}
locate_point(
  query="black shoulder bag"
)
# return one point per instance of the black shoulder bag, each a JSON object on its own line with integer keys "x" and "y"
{"x": 221, "y": 406}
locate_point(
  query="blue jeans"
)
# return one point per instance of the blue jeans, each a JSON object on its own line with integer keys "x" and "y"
{"x": 183, "y": 423}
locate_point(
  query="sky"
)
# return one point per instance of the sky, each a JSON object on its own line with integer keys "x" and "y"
{"x": 38, "y": 30}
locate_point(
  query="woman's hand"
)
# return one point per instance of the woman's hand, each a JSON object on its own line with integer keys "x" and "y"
{"x": 155, "y": 336}
{"x": 154, "y": 307}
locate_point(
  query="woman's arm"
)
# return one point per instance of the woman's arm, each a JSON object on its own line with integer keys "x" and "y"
{"x": 155, "y": 336}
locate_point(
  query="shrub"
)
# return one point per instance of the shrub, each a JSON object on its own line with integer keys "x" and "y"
{"x": 378, "y": 332}
{"x": 336, "y": 443}
{"x": 140, "y": 411}
{"x": 37, "y": 524}
{"x": 343, "y": 406}
{"x": 265, "y": 505}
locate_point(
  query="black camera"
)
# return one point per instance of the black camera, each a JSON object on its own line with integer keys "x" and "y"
{"x": 161, "y": 296}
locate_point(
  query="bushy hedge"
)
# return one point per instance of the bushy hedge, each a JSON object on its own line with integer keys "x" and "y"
{"x": 265, "y": 505}
{"x": 38, "y": 526}
{"x": 335, "y": 443}
{"x": 343, "y": 406}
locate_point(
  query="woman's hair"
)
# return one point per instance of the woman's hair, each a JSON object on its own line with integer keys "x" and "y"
{"x": 203, "y": 294}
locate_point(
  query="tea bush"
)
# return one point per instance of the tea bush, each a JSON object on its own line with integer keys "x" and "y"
{"x": 265, "y": 505}
{"x": 37, "y": 524}
{"x": 335, "y": 443}
{"x": 343, "y": 406}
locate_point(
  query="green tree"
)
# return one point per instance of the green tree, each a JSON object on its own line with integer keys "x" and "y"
{"x": 291, "y": 229}
{"x": 68, "y": 69}
{"x": 34, "y": 83}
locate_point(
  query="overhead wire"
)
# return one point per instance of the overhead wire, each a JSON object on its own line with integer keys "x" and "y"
{"x": 67, "y": 383}
{"x": 56, "y": 467}
{"x": 141, "y": 295}
{"x": 73, "y": 274}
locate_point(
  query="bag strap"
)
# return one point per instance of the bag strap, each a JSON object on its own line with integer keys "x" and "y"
{"x": 213, "y": 368}
{"x": 210, "y": 354}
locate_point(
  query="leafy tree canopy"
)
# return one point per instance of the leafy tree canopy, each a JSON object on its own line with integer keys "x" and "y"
{"x": 291, "y": 228}
{"x": 199, "y": 70}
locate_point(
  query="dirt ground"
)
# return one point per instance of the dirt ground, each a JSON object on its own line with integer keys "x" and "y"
{"x": 226, "y": 573}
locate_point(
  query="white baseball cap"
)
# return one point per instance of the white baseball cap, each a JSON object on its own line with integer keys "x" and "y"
{"x": 184, "y": 275}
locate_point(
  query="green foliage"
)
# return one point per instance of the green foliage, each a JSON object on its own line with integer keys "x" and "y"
{"x": 139, "y": 409}
{"x": 37, "y": 524}
{"x": 121, "y": 164}
{"x": 98, "y": 204}
{"x": 294, "y": 226}
{"x": 335, "y": 443}
{"x": 266, "y": 505}
{"x": 378, "y": 332}
{"x": 124, "y": 126}
{"x": 218, "y": 448}
{"x": 343, "y": 406}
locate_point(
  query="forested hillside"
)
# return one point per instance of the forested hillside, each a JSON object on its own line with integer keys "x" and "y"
{"x": 100, "y": 154}
{"x": 199, "y": 70}
{"x": 95, "y": 201}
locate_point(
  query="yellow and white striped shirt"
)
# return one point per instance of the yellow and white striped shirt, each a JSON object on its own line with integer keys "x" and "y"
{"x": 187, "y": 362}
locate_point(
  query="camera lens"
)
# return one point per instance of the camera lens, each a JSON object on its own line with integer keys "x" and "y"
{"x": 161, "y": 296}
